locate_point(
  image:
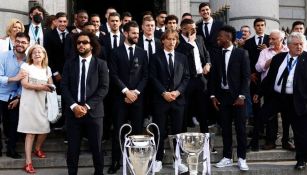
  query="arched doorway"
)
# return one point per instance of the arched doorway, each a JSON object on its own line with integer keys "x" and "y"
{"x": 135, "y": 7}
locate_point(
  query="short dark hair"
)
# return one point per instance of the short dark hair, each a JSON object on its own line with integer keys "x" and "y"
{"x": 231, "y": 30}
{"x": 94, "y": 15}
{"x": 186, "y": 14}
{"x": 130, "y": 24}
{"x": 39, "y": 8}
{"x": 295, "y": 23}
{"x": 203, "y": 4}
{"x": 88, "y": 24}
{"x": 60, "y": 14}
{"x": 147, "y": 13}
{"x": 23, "y": 35}
{"x": 93, "y": 42}
{"x": 81, "y": 11}
{"x": 126, "y": 14}
{"x": 259, "y": 20}
{"x": 171, "y": 17}
{"x": 186, "y": 21}
{"x": 161, "y": 12}
{"x": 114, "y": 14}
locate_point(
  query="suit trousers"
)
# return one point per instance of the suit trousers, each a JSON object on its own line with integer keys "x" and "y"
{"x": 230, "y": 113}
{"x": 197, "y": 103}
{"x": 10, "y": 121}
{"x": 122, "y": 112}
{"x": 93, "y": 129}
{"x": 161, "y": 111}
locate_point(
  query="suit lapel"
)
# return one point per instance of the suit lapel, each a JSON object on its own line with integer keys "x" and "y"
{"x": 163, "y": 57}
{"x": 77, "y": 71}
{"x": 90, "y": 69}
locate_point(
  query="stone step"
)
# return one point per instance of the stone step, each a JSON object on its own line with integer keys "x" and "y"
{"x": 263, "y": 168}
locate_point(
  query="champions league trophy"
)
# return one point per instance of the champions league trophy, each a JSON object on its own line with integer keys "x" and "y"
{"x": 139, "y": 151}
{"x": 193, "y": 144}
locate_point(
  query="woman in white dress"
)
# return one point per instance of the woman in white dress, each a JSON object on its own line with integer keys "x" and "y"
{"x": 33, "y": 119}
{"x": 13, "y": 27}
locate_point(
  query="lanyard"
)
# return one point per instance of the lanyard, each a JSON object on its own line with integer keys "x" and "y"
{"x": 36, "y": 37}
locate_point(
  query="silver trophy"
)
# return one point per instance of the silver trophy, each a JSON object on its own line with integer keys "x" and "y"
{"x": 193, "y": 144}
{"x": 139, "y": 151}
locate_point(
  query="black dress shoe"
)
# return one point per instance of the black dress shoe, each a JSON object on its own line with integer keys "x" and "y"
{"x": 269, "y": 146}
{"x": 300, "y": 165}
{"x": 288, "y": 146}
{"x": 13, "y": 154}
{"x": 114, "y": 167}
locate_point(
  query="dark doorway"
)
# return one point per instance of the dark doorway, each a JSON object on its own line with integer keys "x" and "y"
{"x": 135, "y": 7}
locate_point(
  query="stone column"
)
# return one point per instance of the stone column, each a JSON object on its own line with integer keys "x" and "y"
{"x": 245, "y": 12}
{"x": 178, "y": 7}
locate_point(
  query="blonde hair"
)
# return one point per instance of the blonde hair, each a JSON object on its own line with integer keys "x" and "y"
{"x": 29, "y": 57}
{"x": 11, "y": 24}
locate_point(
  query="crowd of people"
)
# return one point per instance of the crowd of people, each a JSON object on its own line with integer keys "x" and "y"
{"x": 170, "y": 72}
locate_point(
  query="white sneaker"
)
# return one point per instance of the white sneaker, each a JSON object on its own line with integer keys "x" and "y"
{"x": 157, "y": 166}
{"x": 242, "y": 164}
{"x": 195, "y": 121}
{"x": 182, "y": 168}
{"x": 224, "y": 162}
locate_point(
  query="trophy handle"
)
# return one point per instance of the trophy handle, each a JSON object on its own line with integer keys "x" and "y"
{"x": 152, "y": 134}
{"x": 171, "y": 139}
{"x": 120, "y": 135}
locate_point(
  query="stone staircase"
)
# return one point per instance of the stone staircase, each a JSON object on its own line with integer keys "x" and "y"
{"x": 273, "y": 162}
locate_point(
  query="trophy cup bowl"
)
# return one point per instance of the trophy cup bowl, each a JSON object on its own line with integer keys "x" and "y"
{"x": 140, "y": 151}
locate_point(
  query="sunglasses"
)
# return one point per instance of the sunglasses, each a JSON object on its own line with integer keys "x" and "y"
{"x": 83, "y": 42}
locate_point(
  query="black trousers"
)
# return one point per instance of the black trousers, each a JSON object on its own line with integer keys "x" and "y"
{"x": 10, "y": 121}
{"x": 197, "y": 103}
{"x": 229, "y": 113}
{"x": 122, "y": 112}
{"x": 93, "y": 129}
{"x": 161, "y": 112}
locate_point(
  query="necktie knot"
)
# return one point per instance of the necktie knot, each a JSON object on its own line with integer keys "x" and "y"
{"x": 83, "y": 61}
{"x": 131, "y": 49}
{"x": 225, "y": 51}
{"x": 149, "y": 40}
{"x": 170, "y": 55}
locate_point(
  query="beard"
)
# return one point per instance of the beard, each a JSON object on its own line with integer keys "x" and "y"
{"x": 131, "y": 41}
{"x": 84, "y": 53}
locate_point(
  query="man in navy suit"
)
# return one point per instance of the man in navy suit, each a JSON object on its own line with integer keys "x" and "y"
{"x": 129, "y": 74}
{"x": 85, "y": 83}
{"x": 169, "y": 75}
{"x": 231, "y": 73}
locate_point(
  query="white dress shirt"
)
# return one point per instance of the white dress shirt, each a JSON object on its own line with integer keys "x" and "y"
{"x": 257, "y": 39}
{"x": 146, "y": 43}
{"x": 210, "y": 22}
{"x": 227, "y": 57}
{"x": 117, "y": 38}
{"x": 289, "y": 85}
{"x": 33, "y": 37}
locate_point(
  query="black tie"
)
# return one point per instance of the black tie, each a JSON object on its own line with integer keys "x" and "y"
{"x": 149, "y": 48}
{"x": 131, "y": 55}
{"x": 114, "y": 41}
{"x": 224, "y": 67}
{"x": 206, "y": 30}
{"x": 82, "y": 84}
{"x": 170, "y": 64}
{"x": 36, "y": 33}
{"x": 259, "y": 40}
{"x": 63, "y": 37}
{"x": 284, "y": 77}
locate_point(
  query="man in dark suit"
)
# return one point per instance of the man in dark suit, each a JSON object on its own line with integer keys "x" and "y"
{"x": 105, "y": 26}
{"x": 114, "y": 38}
{"x": 208, "y": 28}
{"x": 85, "y": 83}
{"x": 129, "y": 75}
{"x": 254, "y": 46}
{"x": 287, "y": 87}
{"x": 169, "y": 75}
{"x": 35, "y": 28}
{"x": 160, "y": 25}
{"x": 82, "y": 18}
{"x": 54, "y": 44}
{"x": 231, "y": 72}
{"x": 197, "y": 96}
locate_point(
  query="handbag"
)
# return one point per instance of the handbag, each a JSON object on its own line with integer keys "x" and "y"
{"x": 53, "y": 107}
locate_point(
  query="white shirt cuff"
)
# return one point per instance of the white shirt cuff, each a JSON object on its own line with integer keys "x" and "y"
{"x": 212, "y": 96}
{"x": 125, "y": 90}
{"x": 55, "y": 73}
{"x": 137, "y": 92}
{"x": 73, "y": 106}
{"x": 88, "y": 107}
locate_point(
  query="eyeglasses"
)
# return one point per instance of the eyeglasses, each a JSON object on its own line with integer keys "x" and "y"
{"x": 83, "y": 42}
{"x": 21, "y": 42}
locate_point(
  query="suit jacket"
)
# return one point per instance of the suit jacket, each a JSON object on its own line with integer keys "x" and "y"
{"x": 253, "y": 51}
{"x": 106, "y": 42}
{"x": 187, "y": 49}
{"x": 161, "y": 79}
{"x": 211, "y": 41}
{"x": 97, "y": 84}
{"x": 55, "y": 50}
{"x": 158, "y": 34}
{"x": 123, "y": 75}
{"x": 299, "y": 81}
{"x": 238, "y": 73}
